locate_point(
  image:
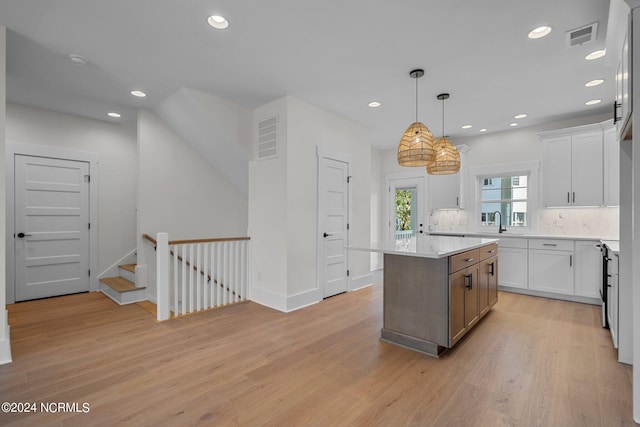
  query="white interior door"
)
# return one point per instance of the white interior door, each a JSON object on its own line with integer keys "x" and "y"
{"x": 406, "y": 212}
{"x": 51, "y": 215}
{"x": 333, "y": 220}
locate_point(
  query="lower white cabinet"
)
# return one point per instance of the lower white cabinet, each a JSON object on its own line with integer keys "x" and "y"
{"x": 569, "y": 269}
{"x": 513, "y": 263}
{"x": 588, "y": 269}
{"x": 551, "y": 271}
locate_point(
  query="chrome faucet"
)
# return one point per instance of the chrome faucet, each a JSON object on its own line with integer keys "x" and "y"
{"x": 500, "y": 228}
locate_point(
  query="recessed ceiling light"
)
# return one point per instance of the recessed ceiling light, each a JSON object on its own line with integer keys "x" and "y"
{"x": 138, "y": 93}
{"x": 467, "y": 126}
{"x": 513, "y": 125}
{"x": 374, "y": 104}
{"x": 114, "y": 115}
{"x": 595, "y": 82}
{"x": 593, "y": 102}
{"x": 596, "y": 54}
{"x": 78, "y": 59}
{"x": 539, "y": 32}
{"x": 218, "y": 22}
{"x": 520, "y": 116}
{"x": 483, "y": 130}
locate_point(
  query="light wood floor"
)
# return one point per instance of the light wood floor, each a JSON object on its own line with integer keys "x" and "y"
{"x": 531, "y": 362}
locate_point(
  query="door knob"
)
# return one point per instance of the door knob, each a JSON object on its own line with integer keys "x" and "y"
{"x": 327, "y": 234}
{"x": 22, "y": 235}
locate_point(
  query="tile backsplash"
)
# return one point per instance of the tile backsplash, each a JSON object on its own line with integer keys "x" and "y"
{"x": 587, "y": 222}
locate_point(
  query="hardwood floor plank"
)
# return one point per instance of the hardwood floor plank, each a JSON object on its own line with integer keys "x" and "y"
{"x": 530, "y": 362}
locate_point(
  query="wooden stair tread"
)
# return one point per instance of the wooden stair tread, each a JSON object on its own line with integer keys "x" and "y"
{"x": 120, "y": 284}
{"x": 129, "y": 267}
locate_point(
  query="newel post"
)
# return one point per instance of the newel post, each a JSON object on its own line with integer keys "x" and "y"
{"x": 162, "y": 275}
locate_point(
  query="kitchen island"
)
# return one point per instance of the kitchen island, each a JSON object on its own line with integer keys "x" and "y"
{"x": 436, "y": 292}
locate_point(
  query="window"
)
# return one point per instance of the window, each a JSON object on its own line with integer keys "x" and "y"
{"x": 506, "y": 195}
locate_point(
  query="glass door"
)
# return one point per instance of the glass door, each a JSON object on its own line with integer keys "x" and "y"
{"x": 406, "y": 212}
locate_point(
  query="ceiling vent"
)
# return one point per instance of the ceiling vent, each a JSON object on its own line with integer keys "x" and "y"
{"x": 582, "y": 35}
{"x": 267, "y": 146}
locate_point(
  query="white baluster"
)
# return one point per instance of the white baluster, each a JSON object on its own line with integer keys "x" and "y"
{"x": 205, "y": 270}
{"x": 197, "y": 265}
{"x": 218, "y": 274}
{"x": 176, "y": 282}
{"x": 162, "y": 275}
{"x": 183, "y": 284}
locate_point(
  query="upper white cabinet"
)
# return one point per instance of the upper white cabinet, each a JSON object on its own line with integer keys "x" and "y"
{"x": 622, "y": 110}
{"x": 581, "y": 166}
{"x": 444, "y": 191}
{"x": 573, "y": 170}
{"x": 611, "y": 168}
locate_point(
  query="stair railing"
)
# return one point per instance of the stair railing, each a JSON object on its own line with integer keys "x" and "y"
{"x": 199, "y": 274}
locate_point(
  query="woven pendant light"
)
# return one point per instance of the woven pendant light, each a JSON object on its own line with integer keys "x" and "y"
{"x": 416, "y": 146}
{"x": 447, "y": 159}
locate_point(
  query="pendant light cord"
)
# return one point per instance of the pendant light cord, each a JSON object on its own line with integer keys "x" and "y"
{"x": 417, "y": 98}
{"x": 443, "y": 117}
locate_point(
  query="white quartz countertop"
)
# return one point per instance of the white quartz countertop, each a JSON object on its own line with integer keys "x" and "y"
{"x": 515, "y": 234}
{"x": 614, "y": 245}
{"x": 431, "y": 246}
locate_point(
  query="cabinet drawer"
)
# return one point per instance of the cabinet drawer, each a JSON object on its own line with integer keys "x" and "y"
{"x": 552, "y": 244}
{"x": 463, "y": 260}
{"x": 512, "y": 242}
{"x": 488, "y": 251}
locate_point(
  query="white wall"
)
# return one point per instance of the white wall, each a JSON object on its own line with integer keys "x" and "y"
{"x": 309, "y": 127}
{"x": 284, "y": 238}
{"x": 5, "y": 344}
{"x": 268, "y": 215}
{"x": 378, "y": 201}
{"x": 180, "y": 193}
{"x": 116, "y": 146}
{"x": 519, "y": 145}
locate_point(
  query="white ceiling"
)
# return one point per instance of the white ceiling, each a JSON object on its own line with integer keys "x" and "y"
{"x": 335, "y": 54}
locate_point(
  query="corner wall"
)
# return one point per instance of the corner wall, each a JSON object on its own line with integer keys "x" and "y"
{"x": 116, "y": 148}
{"x": 5, "y": 343}
{"x": 180, "y": 193}
{"x": 283, "y": 203}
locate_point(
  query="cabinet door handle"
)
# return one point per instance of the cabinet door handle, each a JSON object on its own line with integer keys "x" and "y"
{"x": 492, "y": 269}
{"x": 468, "y": 278}
{"x": 549, "y": 244}
{"x": 574, "y": 197}
{"x": 568, "y": 197}
{"x": 469, "y": 259}
{"x": 570, "y": 260}
{"x": 457, "y": 201}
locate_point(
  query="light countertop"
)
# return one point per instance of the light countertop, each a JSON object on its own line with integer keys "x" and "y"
{"x": 515, "y": 234}
{"x": 614, "y": 245}
{"x": 431, "y": 246}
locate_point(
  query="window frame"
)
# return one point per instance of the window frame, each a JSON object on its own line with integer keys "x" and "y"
{"x": 479, "y": 173}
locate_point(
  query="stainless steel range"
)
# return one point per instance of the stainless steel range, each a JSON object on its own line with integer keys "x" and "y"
{"x": 609, "y": 289}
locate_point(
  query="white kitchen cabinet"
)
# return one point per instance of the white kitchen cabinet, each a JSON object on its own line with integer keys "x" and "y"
{"x": 513, "y": 262}
{"x": 551, "y": 266}
{"x": 611, "y": 168}
{"x": 613, "y": 298}
{"x": 444, "y": 191}
{"x": 623, "y": 93}
{"x": 573, "y": 170}
{"x": 588, "y": 262}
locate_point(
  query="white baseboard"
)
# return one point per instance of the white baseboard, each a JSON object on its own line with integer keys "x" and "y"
{"x": 5, "y": 348}
{"x": 268, "y": 299}
{"x": 360, "y": 282}
{"x": 303, "y": 299}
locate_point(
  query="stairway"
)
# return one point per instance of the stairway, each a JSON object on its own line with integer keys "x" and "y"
{"x": 122, "y": 288}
